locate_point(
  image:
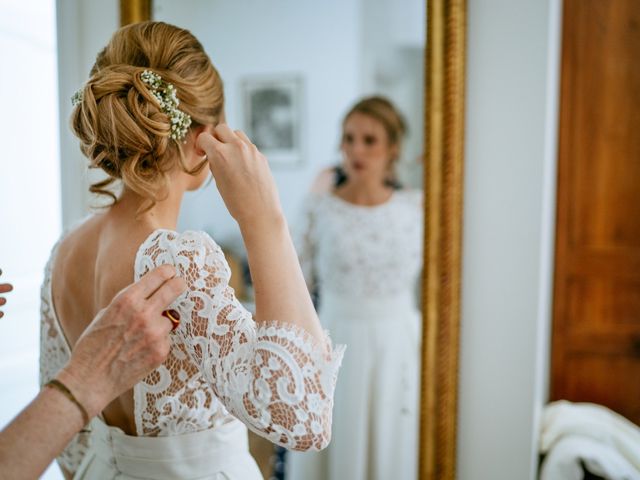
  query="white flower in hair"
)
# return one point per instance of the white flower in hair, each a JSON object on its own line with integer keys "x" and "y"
{"x": 166, "y": 95}
{"x": 77, "y": 97}
{"x": 167, "y": 98}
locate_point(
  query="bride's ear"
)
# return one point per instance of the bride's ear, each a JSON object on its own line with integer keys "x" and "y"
{"x": 196, "y": 132}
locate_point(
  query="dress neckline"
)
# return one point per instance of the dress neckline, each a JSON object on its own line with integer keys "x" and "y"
{"x": 332, "y": 194}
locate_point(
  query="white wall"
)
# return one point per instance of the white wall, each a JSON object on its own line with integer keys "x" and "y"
{"x": 512, "y": 81}
{"x": 84, "y": 27}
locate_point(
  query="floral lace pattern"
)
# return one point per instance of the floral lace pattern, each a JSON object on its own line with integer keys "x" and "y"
{"x": 273, "y": 376}
{"x": 362, "y": 252}
{"x": 222, "y": 366}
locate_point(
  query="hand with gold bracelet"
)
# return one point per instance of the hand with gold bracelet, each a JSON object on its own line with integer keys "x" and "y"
{"x": 124, "y": 342}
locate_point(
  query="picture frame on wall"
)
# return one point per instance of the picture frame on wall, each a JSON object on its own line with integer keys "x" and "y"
{"x": 273, "y": 117}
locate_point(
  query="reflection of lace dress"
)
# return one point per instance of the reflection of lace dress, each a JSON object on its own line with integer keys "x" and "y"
{"x": 365, "y": 263}
{"x": 223, "y": 369}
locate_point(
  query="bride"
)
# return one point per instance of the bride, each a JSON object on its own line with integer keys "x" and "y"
{"x": 360, "y": 248}
{"x": 150, "y": 117}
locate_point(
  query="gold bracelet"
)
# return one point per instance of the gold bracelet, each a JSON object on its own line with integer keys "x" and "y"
{"x": 61, "y": 387}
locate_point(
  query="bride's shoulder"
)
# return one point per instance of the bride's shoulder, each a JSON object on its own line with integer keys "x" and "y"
{"x": 170, "y": 246}
{"x": 314, "y": 201}
{"x": 90, "y": 265}
{"x": 413, "y": 196}
{"x": 80, "y": 236}
{"x": 194, "y": 253}
{"x": 165, "y": 239}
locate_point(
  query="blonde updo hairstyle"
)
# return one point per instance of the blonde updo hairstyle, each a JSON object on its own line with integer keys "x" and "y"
{"x": 122, "y": 128}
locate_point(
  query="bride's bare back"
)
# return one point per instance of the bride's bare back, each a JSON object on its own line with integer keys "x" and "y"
{"x": 93, "y": 263}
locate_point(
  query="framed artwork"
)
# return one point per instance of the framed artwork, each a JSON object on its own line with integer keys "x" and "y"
{"x": 273, "y": 117}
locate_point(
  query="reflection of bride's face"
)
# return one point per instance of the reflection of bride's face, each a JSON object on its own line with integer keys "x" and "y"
{"x": 365, "y": 146}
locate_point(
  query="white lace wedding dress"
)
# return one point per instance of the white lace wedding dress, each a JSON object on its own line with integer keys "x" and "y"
{"x": 224, "y": 373}
{"x": 365, "y": 263}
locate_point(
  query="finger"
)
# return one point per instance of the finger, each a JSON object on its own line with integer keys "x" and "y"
{"x": 244, "y": 138}
{"x": 223, "y": 133}
{"x": 161, "y": 322}
{"x": 208, "y": 143}
{"x": 152, "y": 281}
{"x": 167, "y": 293}
{"x": 5, "y": 287}
{"x": 166, "y": 325}
{"x": 2, "y": 301}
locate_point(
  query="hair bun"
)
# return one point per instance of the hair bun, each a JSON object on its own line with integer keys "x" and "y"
{"x": 120, "y": 123}
{"x": 123, "y": 121}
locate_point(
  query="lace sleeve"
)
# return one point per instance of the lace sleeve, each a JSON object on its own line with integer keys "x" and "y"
{"x": 305, "y": 241}
{"x": 273, "y": 377}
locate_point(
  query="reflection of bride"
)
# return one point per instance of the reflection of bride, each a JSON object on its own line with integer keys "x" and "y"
{"x": 362, "y": 246}
{"x": 225, "y": 372}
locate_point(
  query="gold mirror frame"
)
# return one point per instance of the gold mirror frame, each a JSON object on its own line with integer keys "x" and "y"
{"x": 134, "y": 11}
{"x": 443, "y": 181}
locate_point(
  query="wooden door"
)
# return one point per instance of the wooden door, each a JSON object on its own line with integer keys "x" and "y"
{"x": 596, "y": 324}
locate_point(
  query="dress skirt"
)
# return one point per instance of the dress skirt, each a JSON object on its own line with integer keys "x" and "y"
{"x": 220, "y": 453}
{"x": 375, "y": 414}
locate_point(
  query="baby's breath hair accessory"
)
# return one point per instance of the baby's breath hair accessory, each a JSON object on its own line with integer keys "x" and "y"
{"x": 166, "y": 95}
{"x": 77, "y": 97}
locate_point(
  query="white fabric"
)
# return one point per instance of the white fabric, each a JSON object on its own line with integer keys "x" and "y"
{"x": 362, "y": 251}
{"x": 273, "y": 377}
{"x": 216, "y": 453}
{"x": 366, "y": 263}
{"x": 565, "y": 460}
{"x": 575, "y": 433}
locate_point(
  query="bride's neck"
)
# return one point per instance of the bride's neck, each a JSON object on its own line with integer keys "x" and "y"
{"x": 163, "y": 214}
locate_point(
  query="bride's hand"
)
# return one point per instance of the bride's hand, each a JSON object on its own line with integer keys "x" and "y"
{"x": 4, "y": 288}
{"x": 242, "y": 175}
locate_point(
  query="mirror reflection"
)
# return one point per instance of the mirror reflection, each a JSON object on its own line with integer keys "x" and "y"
{"x": 334, "y": 98}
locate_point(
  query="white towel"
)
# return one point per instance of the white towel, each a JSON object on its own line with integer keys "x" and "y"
{"x": 572, "y": 433}
{"x": 564, "y": 460}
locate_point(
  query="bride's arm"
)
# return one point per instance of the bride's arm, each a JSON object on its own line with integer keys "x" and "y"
{"x": 273, "y": 375}
{"x": 280, "y": 288}
{"x": 276, "y": 374}
{"x": 245, "y": 182}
